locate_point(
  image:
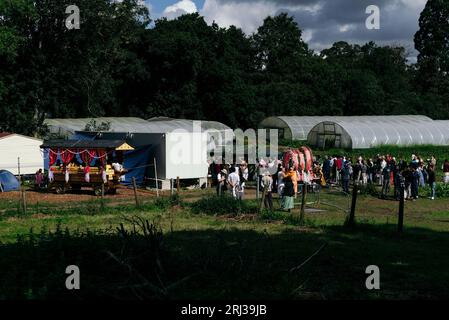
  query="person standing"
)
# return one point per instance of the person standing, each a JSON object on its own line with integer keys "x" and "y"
{"x": 294, "y": 176}
{"x": 243, "y": 175}
{"x": 327, "y": 169}
{"x": 398, "y": 182}
{"x": 408, "y": 177}
{"x": 346, "y": 172}
{"x": 38, "y": 179}
{"x": 446, "y": 171}
{"x": 234, "y": 183}
{"x": 288, "y": 194}
{"x": 267, "y": 182}
{"x": 415, "y": 183}
{"x": 280, "y": 183}
{"x": 431, "y": 178}
{"x": 385, "y": 182}
{"x": 221, "y": 182}
{"x": 339, "y": 167}
{"x": 364, "y": 171}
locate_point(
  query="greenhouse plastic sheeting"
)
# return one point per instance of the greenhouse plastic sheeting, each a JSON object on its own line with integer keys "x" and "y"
{"x": 68, "y": 127}
{"x": 365, "y": 133}
{"x": 298, "y": 127}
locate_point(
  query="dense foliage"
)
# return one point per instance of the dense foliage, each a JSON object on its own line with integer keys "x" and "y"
{"x": 120, "y": 64}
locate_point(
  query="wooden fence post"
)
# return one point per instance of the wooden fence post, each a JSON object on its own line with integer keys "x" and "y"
{"x": 135, "y": 191}
{"x": 401, "y": 210}
{"x": 178, "y": 187}
{"x": 155, "y": 176}
{"x": 102, "y": 196}
{"x": 264, "y": 193}
{"x": 257, "y": 182}
{"x": 350, "y": 222}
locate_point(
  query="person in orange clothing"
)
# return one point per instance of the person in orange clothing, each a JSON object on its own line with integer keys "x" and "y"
{"x": 292, "y": 174}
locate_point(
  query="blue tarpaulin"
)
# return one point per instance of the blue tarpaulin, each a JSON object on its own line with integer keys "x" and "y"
{"x": 136, "y": 162}
{"x": 8, "y": 181}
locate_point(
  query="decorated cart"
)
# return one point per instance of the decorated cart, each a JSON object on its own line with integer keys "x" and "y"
{"x": 97, "y": 164}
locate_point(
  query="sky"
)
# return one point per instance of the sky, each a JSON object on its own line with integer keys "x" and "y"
{"x": 323, "y": 21}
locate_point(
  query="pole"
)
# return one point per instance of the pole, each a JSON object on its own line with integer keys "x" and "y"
{"x": 18, "y": 169}
{"x": 171, "y": 187}
{"x": 401, "y": 210}
{"x": 155, "y": 175}
{"x": 264, "y": 193}
{"x": 178, "y": 187}
{"x": 303, "y": 203}
{"x": 22, "y": 191}
{"x": 351, "y": 219}
{"x": 24, "y": 200}
{"x": 257, "y": 183}
{"x": 102, "y": 195}
{"x": 135, "y": 191}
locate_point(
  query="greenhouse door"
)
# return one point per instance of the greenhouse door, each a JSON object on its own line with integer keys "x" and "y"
{"x": 329, "y": 140}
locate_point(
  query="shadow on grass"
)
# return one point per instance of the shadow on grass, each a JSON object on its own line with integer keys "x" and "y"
{"x": 142, "y": 263}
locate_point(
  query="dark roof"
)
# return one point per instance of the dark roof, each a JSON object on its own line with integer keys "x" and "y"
{"x": 5, "y": 134}
{"x": 83, "y": 144}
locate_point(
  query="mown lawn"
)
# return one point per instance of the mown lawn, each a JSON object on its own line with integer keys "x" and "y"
{"x": 226, "y": 257}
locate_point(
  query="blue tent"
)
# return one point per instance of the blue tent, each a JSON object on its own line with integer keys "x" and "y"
{"x": 8, "y": 182}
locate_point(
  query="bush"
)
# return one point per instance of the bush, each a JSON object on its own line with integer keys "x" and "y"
{"x": 166, "y": 203}
{"x": 223, "y": 205}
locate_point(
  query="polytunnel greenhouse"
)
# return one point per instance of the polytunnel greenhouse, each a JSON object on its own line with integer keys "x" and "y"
{"x": 364, "y": 133}
{"x": 298, "y": 127}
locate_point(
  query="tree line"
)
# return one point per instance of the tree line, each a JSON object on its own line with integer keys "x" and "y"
{"x": 121, "y": 63}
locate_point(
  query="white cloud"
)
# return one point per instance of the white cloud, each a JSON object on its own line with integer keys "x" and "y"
{"x": 246, "y": 15}
{"x": 179, "y": 8}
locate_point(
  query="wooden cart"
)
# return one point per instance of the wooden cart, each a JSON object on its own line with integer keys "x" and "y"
{"x": 104, "y": 175}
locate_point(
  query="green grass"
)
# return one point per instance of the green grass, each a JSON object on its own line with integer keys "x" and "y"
{"x": 181, "y": 254}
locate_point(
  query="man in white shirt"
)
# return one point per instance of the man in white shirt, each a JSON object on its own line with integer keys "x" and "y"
{"x": 234, "y": 183}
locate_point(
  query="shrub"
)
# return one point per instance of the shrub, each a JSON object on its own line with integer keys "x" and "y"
{"x": 166, "y": 203}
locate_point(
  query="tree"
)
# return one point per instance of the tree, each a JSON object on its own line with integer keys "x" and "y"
{"x": 432, "y": 39}
{"x": 432, "y": 43}
{"x": 279, "y": 44}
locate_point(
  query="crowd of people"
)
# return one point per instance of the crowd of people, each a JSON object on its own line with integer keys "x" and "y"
{"x": 387, "y": 172}
{"x": 271, "y": 177}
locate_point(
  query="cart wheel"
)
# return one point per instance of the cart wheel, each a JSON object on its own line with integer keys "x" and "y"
{"x": 97, "y": 191}
{"x": 60, "y": 189}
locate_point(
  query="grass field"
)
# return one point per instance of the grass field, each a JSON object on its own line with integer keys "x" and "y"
{"x": 179, "y": 254}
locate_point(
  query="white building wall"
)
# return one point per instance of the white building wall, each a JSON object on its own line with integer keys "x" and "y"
{"x": 28, "y": 149}
{"x": 186, "y": 155}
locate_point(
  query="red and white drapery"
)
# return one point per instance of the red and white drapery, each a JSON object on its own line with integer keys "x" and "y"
{"x": 86, "y": 156}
